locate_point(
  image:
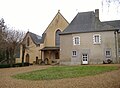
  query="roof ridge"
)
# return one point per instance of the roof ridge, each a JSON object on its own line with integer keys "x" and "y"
{"x": 88, "y": 22}
{"x": 53, "y": 20}
{"x": 86, "y": 12}
{"x": 34, "y": 34}
{"x": 111, "y": 21}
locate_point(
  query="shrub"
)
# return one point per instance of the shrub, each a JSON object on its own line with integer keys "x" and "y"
{"x": 108, "y": 61}
{"x": 14, "y": 65}
{"x": 4, "y": 65}
{"x": 20, "y": 64}
{"x": 26, "y": 64}
{"x": 17, "y": 65}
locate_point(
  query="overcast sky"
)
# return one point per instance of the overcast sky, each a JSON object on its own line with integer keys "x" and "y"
{"x": 36, "y": 15}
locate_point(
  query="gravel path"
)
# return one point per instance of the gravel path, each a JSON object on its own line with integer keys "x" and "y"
{"x": 105, "y": 80}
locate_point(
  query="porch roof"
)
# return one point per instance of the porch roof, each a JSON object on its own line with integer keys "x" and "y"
{"x": 50, "y": 48}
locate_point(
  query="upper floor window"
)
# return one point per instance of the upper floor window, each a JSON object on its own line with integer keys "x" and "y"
{"x": 57, "y": 37}
{"x": 76, "y": 40}
{"x": 28, "y": 41}
{"x": 96, "y": 39}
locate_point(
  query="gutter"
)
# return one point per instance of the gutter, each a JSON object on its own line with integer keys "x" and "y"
{"x": 67, "y": 33}
{"x": 116, "y": 45}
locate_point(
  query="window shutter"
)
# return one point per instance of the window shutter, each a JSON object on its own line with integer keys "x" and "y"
{"x": 100, "y": 38}
{"x": 93, "y": 39}
{"x": 79, "y": 40}
{"x": 73, "y": 41}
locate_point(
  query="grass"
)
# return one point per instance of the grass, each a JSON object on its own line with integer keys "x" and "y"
{"x": 60, "y": 72}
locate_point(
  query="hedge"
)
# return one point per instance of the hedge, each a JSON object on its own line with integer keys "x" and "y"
{"x": 4, "y": 65}
{"x": 14, "y": 65}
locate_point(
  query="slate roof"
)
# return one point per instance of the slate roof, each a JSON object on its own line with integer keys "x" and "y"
{"x": 115, "y": 23}
{"x": 43, "y": 37}
{"x": 86, "y": 22}
{"x": 36, "y": 38}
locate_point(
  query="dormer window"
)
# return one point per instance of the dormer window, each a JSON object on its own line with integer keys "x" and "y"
{"x": 28, "y": 41}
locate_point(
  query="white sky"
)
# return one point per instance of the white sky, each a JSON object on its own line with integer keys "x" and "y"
{"x": 36, "y": 15}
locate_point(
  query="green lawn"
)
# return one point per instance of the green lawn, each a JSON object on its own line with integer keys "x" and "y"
{"x": 60, "y": 72}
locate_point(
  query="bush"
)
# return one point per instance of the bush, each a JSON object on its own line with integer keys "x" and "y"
{"x": 20, "y": 64}
{"x": 26, "y": 64}
{"x": 14, "y": 65}
{"x": 108, "y": 61}
{"x": 4, "y": 65}
{"x": 17, "y": 65}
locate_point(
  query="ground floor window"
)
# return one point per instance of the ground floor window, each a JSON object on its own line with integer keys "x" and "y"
{"x": 74, "y": 53}
{"x": 108, "y": 53}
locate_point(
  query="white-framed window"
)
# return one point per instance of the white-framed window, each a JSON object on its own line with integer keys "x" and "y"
{"x": 96, "y": 39}
{"x": 74, "y": 53}
{"x": 76, "y": 40}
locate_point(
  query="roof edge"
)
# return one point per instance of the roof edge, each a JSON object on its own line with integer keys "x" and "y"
{"x": 88, "y": 32}
{"x": 54, "y": 18}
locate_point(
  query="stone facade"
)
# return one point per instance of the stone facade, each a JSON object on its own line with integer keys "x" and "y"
{"x": 45, "y": 47}
{"x": 49, "y": 48}
{"x": 87, "y": 40}
{"x": 95, "y": 52}
{"x": 31, "y": 51}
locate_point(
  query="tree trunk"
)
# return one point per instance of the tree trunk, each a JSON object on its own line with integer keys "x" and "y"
{"x": 7, "y": 55}
{"x": 23, "y": 53}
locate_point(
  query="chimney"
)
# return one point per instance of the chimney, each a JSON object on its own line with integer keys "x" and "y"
{"x": 97, "y": 13}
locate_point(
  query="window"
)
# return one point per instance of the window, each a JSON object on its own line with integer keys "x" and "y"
{"x": 74, "y": 53}
{"x": 28, "y": 41}
{"x": 76, "y": 40}
{"x": 108, "y": 53}
{"x": 85, "y": 57}
{"x": 119, "y": 52}
{"x": 96, "y": 39}
{"x": 57, "y": 37}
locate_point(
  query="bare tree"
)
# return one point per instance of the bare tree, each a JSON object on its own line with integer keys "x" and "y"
{"x": 23, "y": 53}
{"x": 14, "y": 38}
{"x": 10, "y": 40}
{"x": 2, "y": 39}
{"x": 109, "y": 2}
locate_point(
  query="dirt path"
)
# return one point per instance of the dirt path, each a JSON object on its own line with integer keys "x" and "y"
{"x": 106, "y": 80}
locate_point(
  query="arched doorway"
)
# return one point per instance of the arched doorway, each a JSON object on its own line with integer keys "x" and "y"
{"x": 27, "y": 58}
